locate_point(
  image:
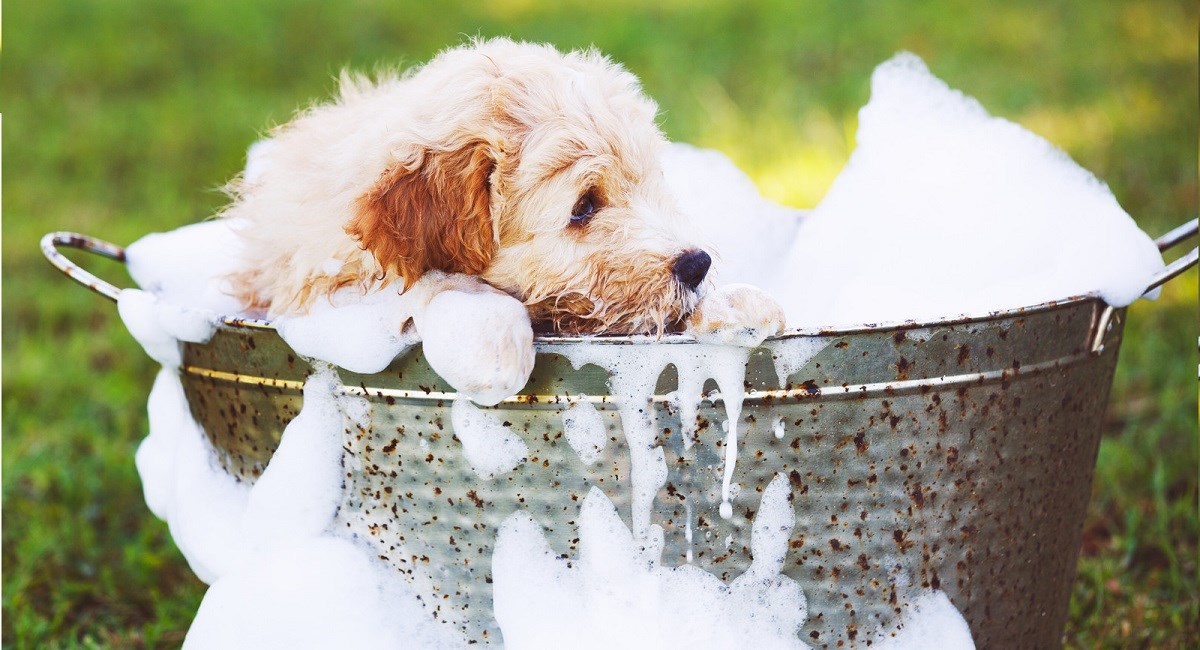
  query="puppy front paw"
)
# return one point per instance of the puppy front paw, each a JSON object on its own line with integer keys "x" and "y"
{"x": 479, "y": 341}
{"x": 736, "y": 314}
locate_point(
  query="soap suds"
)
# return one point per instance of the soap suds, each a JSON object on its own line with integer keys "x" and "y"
{"x": 929, "y": 621}
{"x": 632, "y": 382}
{"x": 618, "y": 591}
{"x": 361, "y": 333}
{"x": 585, "y": 431}
{"x": 278, "y": 578}
{"x": 943, "y": 210}
{"x": 489, "y": 446}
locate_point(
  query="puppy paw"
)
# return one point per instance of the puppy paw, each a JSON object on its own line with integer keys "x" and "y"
{"x": 736, "y": 314}
{"x": 479, "y": 341}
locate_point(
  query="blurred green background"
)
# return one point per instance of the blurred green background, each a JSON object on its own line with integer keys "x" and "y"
{"x": 124, "y": 117}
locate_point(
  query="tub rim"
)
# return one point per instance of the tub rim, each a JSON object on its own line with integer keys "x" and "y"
{"x": 51, "y": 241}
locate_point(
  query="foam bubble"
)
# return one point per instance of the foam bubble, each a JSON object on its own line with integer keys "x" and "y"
{"x": 585, "y": 431}
{"x": 929, "y": 620}
{"x": 359, "y": 332}
{"x": 745, "y": 233}
{"x": 944, "y": 210}
{"x": 187, "y": 266}
{"x": 489, "y": 446}
{"x": 617, "y": 590}
{"x": 632, "y": 381}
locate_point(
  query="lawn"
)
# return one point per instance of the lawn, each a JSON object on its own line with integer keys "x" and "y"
{"x": 124, "y": 117}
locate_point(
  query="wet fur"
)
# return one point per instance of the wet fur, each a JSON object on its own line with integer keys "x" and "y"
{"x": 472, "y": 164}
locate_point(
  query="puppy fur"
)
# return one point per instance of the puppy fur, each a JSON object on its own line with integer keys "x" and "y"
{"x": 473, "y": 164}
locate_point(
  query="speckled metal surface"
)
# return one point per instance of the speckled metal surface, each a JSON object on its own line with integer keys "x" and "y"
{"x": 956, "y": 456}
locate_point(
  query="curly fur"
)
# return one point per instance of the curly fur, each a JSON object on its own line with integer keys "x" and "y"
{"x": 472, "y": 164}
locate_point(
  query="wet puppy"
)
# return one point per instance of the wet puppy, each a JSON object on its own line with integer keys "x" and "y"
{"x": 503, "y": 174}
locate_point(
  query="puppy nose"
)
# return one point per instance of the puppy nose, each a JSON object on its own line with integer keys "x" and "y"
{"x": 691, "y": 267}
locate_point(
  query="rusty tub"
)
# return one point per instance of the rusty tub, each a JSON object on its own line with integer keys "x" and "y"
{"x": 954, "y": 455}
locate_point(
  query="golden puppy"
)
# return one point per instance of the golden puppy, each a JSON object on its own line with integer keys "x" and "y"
{"x": 533, "y": 172}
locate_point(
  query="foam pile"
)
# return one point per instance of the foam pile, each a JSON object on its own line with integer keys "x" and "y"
{"x": 746, "y": 233}
{"x": 278, "y": 578}
{"x": 619, "y": 593}
{"x": 944, "y": 210}
{"x": 930, "y": 621}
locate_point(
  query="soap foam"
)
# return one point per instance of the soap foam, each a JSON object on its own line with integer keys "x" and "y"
{"x": 187, "y": 266}
{"x": 930, "y": 621}
{"x": 617, "y": 594}
{"x": 585, "y": 431}
{"x": 361, "y": 332}
{"x": 745, "y": 232}
{"x": 944, "y": 210}
{"x": 278, "y": 578}
{"x": 489, "y": 446}
{"x": 632, "y": 382}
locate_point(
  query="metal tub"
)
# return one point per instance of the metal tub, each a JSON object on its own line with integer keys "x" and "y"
{"x": 953, "y": 455}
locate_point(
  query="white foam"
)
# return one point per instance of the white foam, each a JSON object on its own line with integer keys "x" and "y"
{"x": 790, "y": 355}
{"x": 929, "y": 621}
{"x": 316, "y": 593}
{"x": 746, "y": 233}
{"x": 619, "y": 593}
{"x": 186, "y": 266}
{"x": 632, "y": 382}
{"x": 201, "y": 503}
{"x": 159, "y": 325}
{"x": 299, "y": 492}
{"x": 585, "y": 431}
{"x": 943, "y": 210}
{"x": 489, "y": 446}
{"x": 279, "y": 580}
{"x": 359, "y": 332}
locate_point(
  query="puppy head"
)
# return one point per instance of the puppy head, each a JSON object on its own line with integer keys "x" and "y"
{"x": 538, "y": 171}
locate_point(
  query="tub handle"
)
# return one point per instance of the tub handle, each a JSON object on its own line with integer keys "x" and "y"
{"x": 1110, "y": 315}
{"x": 1168, "y": 241}
{"x": 52, "y": 241}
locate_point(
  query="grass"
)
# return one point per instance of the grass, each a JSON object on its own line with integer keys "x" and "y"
{"x": 123, "y": 117}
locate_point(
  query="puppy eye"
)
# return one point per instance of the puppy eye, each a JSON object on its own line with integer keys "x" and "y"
{"x": 584, "y": 208}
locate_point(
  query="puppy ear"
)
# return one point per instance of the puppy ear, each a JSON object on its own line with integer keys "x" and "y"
{"x": 433, "y": 212}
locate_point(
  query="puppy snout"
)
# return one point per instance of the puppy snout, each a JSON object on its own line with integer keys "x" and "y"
{"x": 691, "y": 267}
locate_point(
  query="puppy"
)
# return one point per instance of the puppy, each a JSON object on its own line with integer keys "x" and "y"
{"x": 511, "y": 169}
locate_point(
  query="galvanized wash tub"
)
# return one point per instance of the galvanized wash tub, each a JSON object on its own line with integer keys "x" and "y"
{"x": 953, "y": 455}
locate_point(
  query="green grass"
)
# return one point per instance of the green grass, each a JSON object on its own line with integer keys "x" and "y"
{"x": 123, "y": 117}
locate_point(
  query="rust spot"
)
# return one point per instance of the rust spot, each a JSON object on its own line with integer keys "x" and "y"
{"x": 964, "y": 353}
{"x": 811, "y": 388}
{"x": 474, "y": 497}
{"x": 860, "y": 442}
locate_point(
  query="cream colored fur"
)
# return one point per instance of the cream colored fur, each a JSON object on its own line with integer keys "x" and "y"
{"x": 516, "y": 133}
